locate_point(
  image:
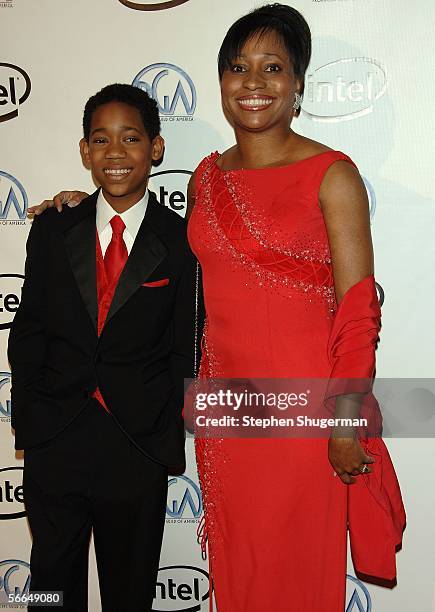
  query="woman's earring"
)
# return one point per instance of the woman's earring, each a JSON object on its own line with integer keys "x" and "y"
{"x": 297, "y": 102}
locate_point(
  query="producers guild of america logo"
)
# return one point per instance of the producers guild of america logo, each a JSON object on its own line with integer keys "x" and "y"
{"x": 371, "y": 197}
{"x": 184, "y": 503}
{"x": 172, "y": 89}
{"x": 344, "y": 89}
{"x": 14, "y": 578}
{"x": 357, "y": 596}
{"x": 152, "y": 6}
{"x": 5, "y": 397}
{"x": 13, "y": 200}
{"x": 15, "y": 88}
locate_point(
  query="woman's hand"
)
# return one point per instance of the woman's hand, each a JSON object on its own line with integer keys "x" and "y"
{"x": 70, "y": 198}
{"x": 347, "y": 457}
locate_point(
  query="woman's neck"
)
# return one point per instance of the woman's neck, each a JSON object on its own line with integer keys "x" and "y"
{"x": 260, "y": 149}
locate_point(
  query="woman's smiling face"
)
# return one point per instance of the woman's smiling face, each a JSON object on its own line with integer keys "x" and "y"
{"x": 259, "y": 87}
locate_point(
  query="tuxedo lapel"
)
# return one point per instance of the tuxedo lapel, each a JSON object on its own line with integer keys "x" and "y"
{"x": 80, "y": 242}
{"x": 147, "y": 253}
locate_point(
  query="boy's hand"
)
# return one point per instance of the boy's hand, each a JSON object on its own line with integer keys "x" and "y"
{"x": 70, "y": 198}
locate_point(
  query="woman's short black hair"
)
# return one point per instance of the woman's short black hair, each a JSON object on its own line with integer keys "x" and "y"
{"x": 288, "y": 24}
{"x": 127, "y": 94}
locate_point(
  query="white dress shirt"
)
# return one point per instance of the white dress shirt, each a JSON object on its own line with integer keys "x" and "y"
{"x": 132, "y": 218}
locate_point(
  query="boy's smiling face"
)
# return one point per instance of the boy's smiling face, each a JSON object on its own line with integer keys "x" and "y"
{"x": 120, "y": 153}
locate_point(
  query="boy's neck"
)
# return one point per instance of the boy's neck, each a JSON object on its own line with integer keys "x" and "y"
{"x": 123, "y": 203}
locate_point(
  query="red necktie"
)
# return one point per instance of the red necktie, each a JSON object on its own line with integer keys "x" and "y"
{"x": 116, "y": 253}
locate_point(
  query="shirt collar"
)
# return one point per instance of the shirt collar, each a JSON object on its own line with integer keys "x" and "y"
{"x": 132, "y": 217}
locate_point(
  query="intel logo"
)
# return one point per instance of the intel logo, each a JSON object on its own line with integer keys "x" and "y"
{"x": 171, "y": 188}
{"x": 11, "y": 493}
{"x": 14, "y": 577}
{"x": 343, "y": 89}
{"x": 172, "y": 89}
{"x": 184, "y": 498}
{"x": 15, "y": 88}
{"x": 152, "y": 6}
{"x": 357, "y": 596}
{"x": 13, "y": 200}
{"x": 5, "y": 396}
{"x": 181, "y": 588}
{"x": 381, "y": 294}
{"x": 10, "y": 297}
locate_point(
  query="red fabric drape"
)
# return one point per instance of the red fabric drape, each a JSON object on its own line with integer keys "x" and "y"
{"x": 376, "y": 515}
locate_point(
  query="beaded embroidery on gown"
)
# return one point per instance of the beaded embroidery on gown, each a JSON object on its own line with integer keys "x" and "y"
{"x": 276, "y": 517}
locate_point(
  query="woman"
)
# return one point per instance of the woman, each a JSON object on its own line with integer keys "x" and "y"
{"x": 280, "y": 226}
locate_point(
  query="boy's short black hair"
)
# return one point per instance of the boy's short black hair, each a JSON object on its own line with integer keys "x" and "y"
{"x": 285, "y": 21}
{"x": 127, "y": 94}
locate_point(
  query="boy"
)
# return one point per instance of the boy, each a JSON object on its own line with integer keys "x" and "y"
{"x": 99, "y": 348}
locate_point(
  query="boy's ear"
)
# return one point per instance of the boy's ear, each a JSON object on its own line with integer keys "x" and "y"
{"x": 157, "y": 148}
{"x": 84, "y": 152}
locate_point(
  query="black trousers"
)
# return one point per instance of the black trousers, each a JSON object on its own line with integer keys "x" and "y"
{"x": 91, "y": 477}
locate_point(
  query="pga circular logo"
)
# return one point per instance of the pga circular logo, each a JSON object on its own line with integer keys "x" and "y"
{"x": 184, "y": 499}
{"x": 172, "y": 89}
{"x": 14, "y": 577}
{"x": 181, "y": 588}
{"x": 344, "y": 89}
{"x": 5, "y": 397}
{"x": 153, "y": 6}
{"x": 13, "y": 200}
{"x": 15, "y": 88}
{"x": 11, "y": 493}
{"x": 357, "y": 596}
{"x": 371, "y": 197}
{"x": 171, "y": 188}
{"x": 11, "y": 286}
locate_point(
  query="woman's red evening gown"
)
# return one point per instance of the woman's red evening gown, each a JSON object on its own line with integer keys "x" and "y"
{"x": 276, "y": 516}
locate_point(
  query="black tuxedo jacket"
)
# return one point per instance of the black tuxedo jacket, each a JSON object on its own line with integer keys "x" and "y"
{"x": 146, "y": 347}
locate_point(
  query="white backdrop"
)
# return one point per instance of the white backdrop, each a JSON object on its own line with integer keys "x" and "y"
{"x": 369, "y": 93}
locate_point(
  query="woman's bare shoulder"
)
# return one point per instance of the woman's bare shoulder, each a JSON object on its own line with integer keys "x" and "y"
{"x": 227, "y": 159}
{"x": 306, "y": 147}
